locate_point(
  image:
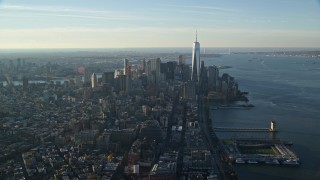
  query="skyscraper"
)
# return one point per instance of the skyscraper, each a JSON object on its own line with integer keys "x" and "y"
{"x": 153, "y": 70}
{"x": 108, "y": 78}
{"x": 87, "y": 75}
{"x": 213, "y": 76}
{"x": 195, "y": 61}
{"x": 94, "y": 81}
{"x": 126, "y": 67}
{"x": 203, "y": 80}
{"x": 144, "y": 65}
{"x": 121, "y": 83}
{"x": 128, "y": 83}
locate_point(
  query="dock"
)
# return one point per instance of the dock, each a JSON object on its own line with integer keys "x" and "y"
{"x": 235, "y": 129}
{"x": 261, "y": 151}
{"x": 241, "y": 129}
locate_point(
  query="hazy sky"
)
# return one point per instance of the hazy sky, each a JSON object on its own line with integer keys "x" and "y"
{"x": 160, "y": 23}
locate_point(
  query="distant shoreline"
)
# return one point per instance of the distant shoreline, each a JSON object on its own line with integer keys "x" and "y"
{"x": 209, "y": 50}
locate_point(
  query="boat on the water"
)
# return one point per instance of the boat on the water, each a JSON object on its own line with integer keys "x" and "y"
{"x": 273, "y": 162}
{"x": 291, "y": 162}
{"x": 252, "y": 161}
{"x": 240, "y": 161}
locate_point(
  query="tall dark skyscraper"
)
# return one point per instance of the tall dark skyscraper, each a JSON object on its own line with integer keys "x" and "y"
{"x": 108, "y": 78}
{"x": 213, "y": 76}
{"x": 195, "y": 61}
{"x": 144, "y": 65}
{"x": 126, "y": 67}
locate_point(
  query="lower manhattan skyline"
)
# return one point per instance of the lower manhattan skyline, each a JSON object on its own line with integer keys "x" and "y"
{"x": 95, "y": 24}
{"x": 154, "y": 90}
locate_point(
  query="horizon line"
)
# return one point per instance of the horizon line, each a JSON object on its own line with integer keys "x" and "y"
{"x": 160, "y": 47}
{"x": 161, "y": 50}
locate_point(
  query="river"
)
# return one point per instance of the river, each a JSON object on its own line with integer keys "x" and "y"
{"x": 282, "y": 88}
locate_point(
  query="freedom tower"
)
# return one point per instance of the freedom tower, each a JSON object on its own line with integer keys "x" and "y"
{"x": 195, "y": 60}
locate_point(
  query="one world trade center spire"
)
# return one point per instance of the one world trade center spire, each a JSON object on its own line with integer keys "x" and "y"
{"x": 195, "y": 60}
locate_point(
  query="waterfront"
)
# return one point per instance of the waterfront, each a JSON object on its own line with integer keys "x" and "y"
{"x": 284, "y": 89}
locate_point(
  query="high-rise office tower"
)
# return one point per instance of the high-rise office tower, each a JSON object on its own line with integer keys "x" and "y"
{"x": 171, "y": 66}
{"x": 195, "y": 61}
{"x": 127, "y": 75}
{"x": 153, "y": 69}
{"x": 87, "y": 74}
{"x": 213, "y": 76}
{"x": 94, "y": 81}
{"x": 121, "y": 83}
{"x": 144, "y": 65}
{"x": 203, "y": 80}
{"x": 108, "y": 78}
{"x": 203, "y": 73}
{"x": 163, "y": 68}
{"x": 126, "y": 67}
{"x": 155, "y": 65}
{"x": 128, "y": 83}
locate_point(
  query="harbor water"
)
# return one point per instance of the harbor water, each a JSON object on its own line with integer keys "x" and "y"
{"x": 284, "y": 89}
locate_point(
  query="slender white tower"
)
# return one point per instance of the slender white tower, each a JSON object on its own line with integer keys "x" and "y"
{"x": 94, "y": 81}
{"x": 195, "y": 60}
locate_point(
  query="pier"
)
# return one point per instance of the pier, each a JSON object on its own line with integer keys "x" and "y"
{"x": 229, "y": 129}
{"x": 262, "y": 151}
{"x": 240, "y": 129}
